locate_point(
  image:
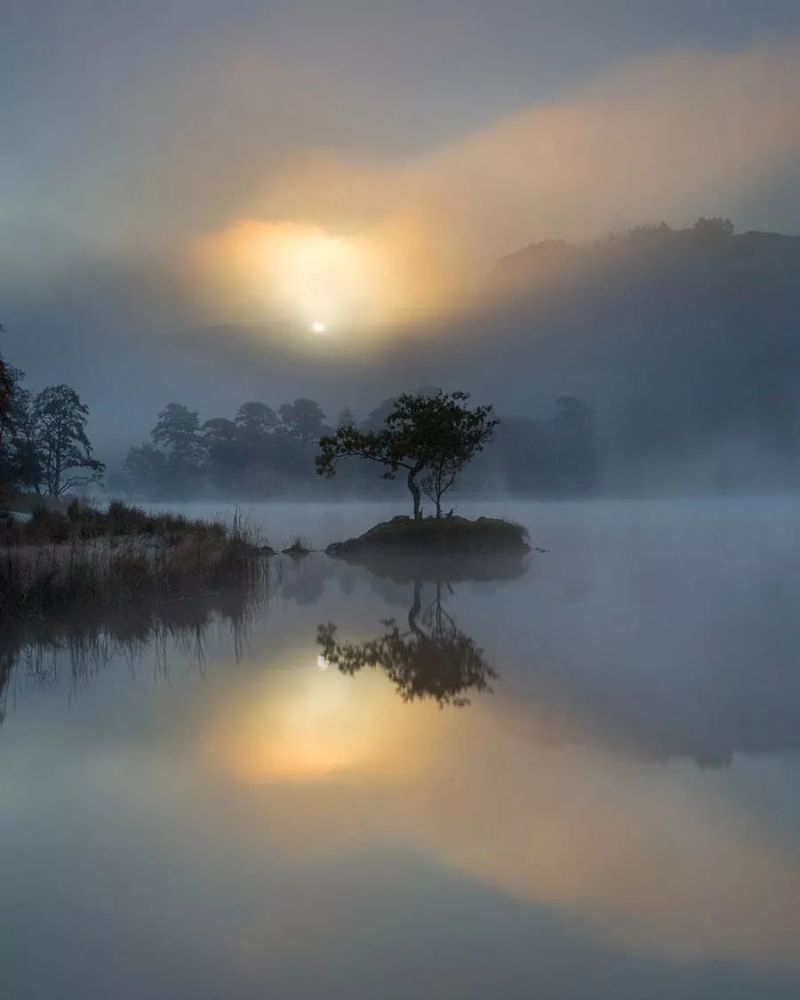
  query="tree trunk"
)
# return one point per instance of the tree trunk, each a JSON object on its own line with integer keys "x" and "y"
{"x": 415, "y": 608}
{"x": 412, "y": 485}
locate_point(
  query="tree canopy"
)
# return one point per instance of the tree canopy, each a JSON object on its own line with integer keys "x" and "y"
{"x": 431, "y": 437}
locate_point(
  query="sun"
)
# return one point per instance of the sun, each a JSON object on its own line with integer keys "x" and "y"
{"x": 319, "y": 327}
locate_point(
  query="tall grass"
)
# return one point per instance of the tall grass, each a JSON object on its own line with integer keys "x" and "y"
{"x": 84, "y": 557}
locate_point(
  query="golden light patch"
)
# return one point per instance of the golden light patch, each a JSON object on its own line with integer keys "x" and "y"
{"x": 301, "y": 274}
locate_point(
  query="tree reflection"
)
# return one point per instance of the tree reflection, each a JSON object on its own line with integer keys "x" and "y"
{"x": 432, "y": 658}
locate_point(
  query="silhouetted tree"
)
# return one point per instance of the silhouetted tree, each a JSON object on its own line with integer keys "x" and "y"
{"x": 303, "y": 419}
{"x": 219, "y": 432}
{"x": 431, "y": 437}
{"x": 64, "y": 451}
{"x": 6, "y": 391}
{"x": 713, "y": 230}
{"x": 177, "y": 431}
{"x": 21, "y": 453}
{"x": 346, "y": 418}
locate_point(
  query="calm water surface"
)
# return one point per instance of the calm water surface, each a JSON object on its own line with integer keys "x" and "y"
{"x": 577, "y": 779}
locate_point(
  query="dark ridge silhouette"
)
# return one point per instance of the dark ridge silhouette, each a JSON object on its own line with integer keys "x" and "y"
{"x": 685, "y": 342}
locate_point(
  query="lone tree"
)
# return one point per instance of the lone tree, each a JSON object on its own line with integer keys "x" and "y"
{"x": 65, "y": 455}
{"x": 431, "y": 437}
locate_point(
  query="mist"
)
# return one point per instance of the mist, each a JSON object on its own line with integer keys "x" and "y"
{"x": 241, "y": 197}
{"x": 399, "y": 463}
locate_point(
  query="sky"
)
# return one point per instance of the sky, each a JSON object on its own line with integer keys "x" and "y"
{"x": 359, "y": 164}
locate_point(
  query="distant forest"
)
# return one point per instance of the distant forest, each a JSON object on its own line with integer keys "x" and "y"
{"x": 262, "y": 452}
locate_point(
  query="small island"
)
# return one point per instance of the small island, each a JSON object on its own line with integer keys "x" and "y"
{"x": 437, "y": 535}
{"x": 431, "y": 437}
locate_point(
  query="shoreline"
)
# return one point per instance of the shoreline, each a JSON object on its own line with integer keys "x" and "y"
{"x": 61, "y": 560}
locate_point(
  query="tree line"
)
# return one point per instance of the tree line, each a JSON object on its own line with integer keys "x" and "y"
{"x": 260, "y": 452}
{"x": 263, "y": 451}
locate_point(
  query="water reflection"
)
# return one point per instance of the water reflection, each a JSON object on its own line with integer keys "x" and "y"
{"x": 414, "y": 567}
{"x": 38, "y": 651}
{"x": 270, "y": 826}
{"x": 432, "y": 658}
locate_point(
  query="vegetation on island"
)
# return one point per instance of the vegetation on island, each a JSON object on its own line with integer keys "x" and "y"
{"x": 431, "y": 438}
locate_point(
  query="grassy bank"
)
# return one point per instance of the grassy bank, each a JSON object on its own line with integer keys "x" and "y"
{"x": 79, "y": 557}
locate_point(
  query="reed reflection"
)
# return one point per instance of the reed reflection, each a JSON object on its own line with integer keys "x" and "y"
{"x": 37, "y": 652}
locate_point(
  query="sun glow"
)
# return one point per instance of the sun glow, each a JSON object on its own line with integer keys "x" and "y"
{"x": 313, "y": 280}
{"x": 309, "y": 726}
{"x": 300, "y": 273}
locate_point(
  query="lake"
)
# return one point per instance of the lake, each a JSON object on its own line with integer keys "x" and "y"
{"x": 572, "y": 777}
